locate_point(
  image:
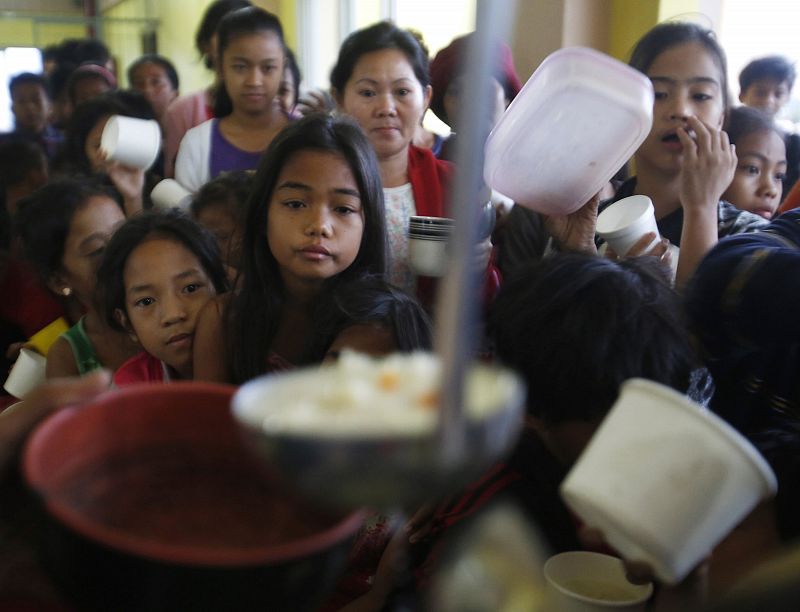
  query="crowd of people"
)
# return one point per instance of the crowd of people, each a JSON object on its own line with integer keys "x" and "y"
{"x": 295, "y": 247}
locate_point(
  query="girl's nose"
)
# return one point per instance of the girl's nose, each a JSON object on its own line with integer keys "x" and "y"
{"x": 172, "y": 310}
{"x": 254, "y": 76}
{"x": 319, "y": 224}
{"x": 680, "y": 108}
{"x": 770, "y": 185}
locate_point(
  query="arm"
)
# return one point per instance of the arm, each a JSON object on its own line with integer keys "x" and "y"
{"x": 61, "y": 360}
{"x": 708, "y": 167}
{"x": 210, "y": 363}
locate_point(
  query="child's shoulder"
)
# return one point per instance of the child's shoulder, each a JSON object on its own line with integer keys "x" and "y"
{"x": 140, "y": 368}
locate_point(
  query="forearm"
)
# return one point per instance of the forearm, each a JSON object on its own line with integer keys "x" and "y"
{"x": 699, "y": 234}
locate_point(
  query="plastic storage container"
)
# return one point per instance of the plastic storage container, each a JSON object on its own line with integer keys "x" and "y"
{"x": 573, "y": 125}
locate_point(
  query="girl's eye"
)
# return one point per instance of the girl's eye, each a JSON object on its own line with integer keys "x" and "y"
{"x": 144, "y": 302}
{"x": 661, "y": 95}
{"x": 97, "y": 252}
{"x": 403, "y": 91}
{"x": 701, "y": 97}
{"x": 345, "y": 210}
{"x": 781, "y": 176}
{"x": 749, "y": 169}
{"x": 294, "y": 204}
{"x": 192, "y": 287}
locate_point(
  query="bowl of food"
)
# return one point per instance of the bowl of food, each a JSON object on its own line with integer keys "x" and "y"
{"x": 153, "y": 502}
{"x": 364, "y": 431}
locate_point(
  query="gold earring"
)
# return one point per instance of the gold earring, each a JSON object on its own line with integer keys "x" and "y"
{"x": 66, "y": 292}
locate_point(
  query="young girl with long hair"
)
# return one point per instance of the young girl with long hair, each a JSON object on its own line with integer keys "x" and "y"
{"x": 250, "y": 61}
{"x": 314, "y": 220}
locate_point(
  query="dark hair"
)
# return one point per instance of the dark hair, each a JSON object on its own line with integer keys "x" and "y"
{"x": 209, "y": 23}
{"x": 774, "y": 67}
{"x": 291, "y": 66}
{"x": 43, "y": 220}
{"x": 575, "y": 327}
{"x": 744, "y": 120}
{"x": 250, "y": 20}
{"x": 370, "y": 300}
{"x": 382, "y": 35}
{"x": 664, "y": 36}
{"x": 171, "y": 224}
{"x": 28, "y": 78}
{"x": 158, "y": 60}
{"x": 72, "y": 156}
{"x": 232, "y": 189}
{"x": 18, "y": 157}
{"x": 86, "y": 72}
{"x": 254, "y": 311}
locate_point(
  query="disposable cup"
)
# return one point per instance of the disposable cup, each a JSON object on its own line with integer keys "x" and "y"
{"x": 27, "y": 373}
{"x": 625, "y": 221}
{"x": 665, "y": 480}
{"x": 169, "y": 193}
{"x": 427, "y": 256}
{"x": 581, "y": 581}
{"x": 130, "y": 141}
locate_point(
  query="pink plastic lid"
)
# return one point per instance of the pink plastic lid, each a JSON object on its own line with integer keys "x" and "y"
{"x": 575, "y": 123}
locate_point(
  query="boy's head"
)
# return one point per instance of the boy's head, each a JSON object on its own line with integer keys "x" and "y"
{"x": 576, "y": 327}
{"x": 23, "y": 169}
{"x": 30, "y": 102}
{"x": 766, "y": 83}
{"x": 761, "y": 167}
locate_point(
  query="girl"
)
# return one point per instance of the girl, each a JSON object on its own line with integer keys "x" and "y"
{"x": 193, "y": 109}
{"x": 156, "y": 79}
{"x": 381, "y": 80}
{"x": 159, "y": 270}
{"x": 686, "y": 162}
{"x": 761, "y": 169}
{"x": 65, "y": 227}
{"x": 81, "y": 153}
{"x": 250, "y": 59}
{"x": 317, "y": 197}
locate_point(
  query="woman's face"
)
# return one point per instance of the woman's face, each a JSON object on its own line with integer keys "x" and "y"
{"x": 687, "y": 82}
{"x": 385, "y": 97}
{"x": 252, "y": 69}
{"x": 91, "y": 147}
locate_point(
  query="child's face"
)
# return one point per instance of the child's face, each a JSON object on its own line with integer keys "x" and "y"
{"x": 152, "y": 81}
{"x": 453, "y": 98}
{"x": 30, "y": 106}
{"x": 757, "y": 184}
{"x": 90, "y": 87}
{"x": 371, "y": 339}
{"x": 384, "y": 96}
{"x": 315, "y": 219}
{"x": 687, "y": 82}
{"x": 92, "y": 145}
{"x": 89, "y": 232}
{"x": 216, "y": 219}
{"x": 252, "y": 69}
{"x": 767, "y": 95}
{"x": 165, "y": 288}
{"x": 286, "y": 92}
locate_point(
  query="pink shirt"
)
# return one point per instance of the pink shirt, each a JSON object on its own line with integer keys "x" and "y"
{"x": 183, "y": 114}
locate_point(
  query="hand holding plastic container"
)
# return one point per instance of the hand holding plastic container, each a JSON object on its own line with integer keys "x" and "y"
{"x": 576, "y": 122}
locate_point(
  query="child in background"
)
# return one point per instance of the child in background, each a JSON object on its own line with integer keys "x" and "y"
{"x": 30, "y": 104}
{"x": 317, "y": 196}
{"x": 158, "y": 272}
{"x": 761, "y": 165}
{"x": 88, "y": 81}
{"x": 766, "y": 84}
{"x": 65, "y": 227}
{"x": 370, "y": 316}
{"x": 23, "y": 169}
{"x": 289, "y": 90}
{"x": 156, "y": 79}
{"x": 686, "y": 162}
{"x": 250, "y": 60}
{"x": 219, "y": 207}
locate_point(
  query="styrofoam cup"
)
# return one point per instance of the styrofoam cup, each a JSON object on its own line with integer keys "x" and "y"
{"x": 665, "y": 480}
{"x": 27, "y": 373}
{"x": 427, "y": 256}
{"x": 130, "y": 141}
{"x": 581, "y": 581}
{"x": 169, "y": 193}
{"x": 627, "y": 220}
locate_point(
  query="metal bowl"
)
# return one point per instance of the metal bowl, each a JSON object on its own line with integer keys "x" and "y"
{"x": 371, "y": 468}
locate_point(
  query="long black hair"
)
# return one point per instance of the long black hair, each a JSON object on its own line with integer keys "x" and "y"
{"x": 253, "y": 315}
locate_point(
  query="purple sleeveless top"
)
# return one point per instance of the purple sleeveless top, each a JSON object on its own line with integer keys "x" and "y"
{"x": 226, "y": 157}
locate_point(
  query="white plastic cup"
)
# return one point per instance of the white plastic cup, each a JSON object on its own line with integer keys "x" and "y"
{"x": 665, "y": 480}
{"x": 169, "y": 193}
{"x": 130, "y": 141}
{"x": 581, "y": 581}
{"x": 624, "y": 222}
{"x": 27, "y": 373}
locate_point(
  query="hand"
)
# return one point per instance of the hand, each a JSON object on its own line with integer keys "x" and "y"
{"x": 130, "y": 184}
{"x": 483, "y": 251}
{"x": 639, "y": 249}
{"x": 17, "y": 421}
{"x": 709, "y": 163}
{"x": 419, "y": 526}
{"x": 315, "y": 101}
{"x": 575, "y": 232}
